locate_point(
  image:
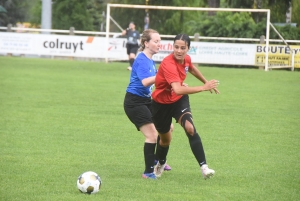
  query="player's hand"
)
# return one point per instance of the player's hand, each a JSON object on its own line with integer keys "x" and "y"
{"x": 185, "y": 84}
{"x": 216, "y": 90}
{"x": 212, "y": 85}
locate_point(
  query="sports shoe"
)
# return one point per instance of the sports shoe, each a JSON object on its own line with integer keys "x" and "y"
{"x": 167, "y": 167}
{"x": 206, "y": 172}
{"x": 129, "y": 68}
{"x": 159, "y": 169}
{"x": 149, "y": 176}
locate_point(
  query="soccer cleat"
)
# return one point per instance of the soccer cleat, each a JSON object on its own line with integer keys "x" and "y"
{"x": 149, "y": 176}
{"x": 129, "y": 68}
{"x": 159, "y": 169}
{"x": 167, "y": 167}
{"x": 206, "y": 172}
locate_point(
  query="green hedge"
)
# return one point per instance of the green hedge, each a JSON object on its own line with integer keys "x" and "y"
{"x": 239, "y": 25}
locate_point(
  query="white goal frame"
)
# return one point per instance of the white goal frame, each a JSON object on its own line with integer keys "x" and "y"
{"x": 191, "y": 9}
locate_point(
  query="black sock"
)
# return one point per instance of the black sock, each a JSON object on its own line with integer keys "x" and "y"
{"x": 131, "y": 62}
{"x": 161, "y": 153}
{"x": 197, "y": 148}
{"x": 149, "y": 149}
{"x": 157, "y": 142}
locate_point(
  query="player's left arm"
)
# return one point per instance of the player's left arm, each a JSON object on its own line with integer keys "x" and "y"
{"x": 196, "y": 72}
{"x": 124, "y": 32}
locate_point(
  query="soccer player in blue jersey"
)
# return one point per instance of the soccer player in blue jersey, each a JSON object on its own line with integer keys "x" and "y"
{"x": 137, "y": 102}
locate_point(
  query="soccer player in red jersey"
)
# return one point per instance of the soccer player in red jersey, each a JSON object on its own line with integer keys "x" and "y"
{"x": 170, "y": 100}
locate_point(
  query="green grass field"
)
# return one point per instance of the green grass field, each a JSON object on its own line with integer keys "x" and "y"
{"x": 60, "y": 118}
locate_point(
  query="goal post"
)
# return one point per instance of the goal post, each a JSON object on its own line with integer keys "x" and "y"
{"x": 288, "y": 46}
{"x": 267, "y": 11}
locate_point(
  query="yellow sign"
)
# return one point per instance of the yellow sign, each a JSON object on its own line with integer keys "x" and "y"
{"x": 279, "y": 55}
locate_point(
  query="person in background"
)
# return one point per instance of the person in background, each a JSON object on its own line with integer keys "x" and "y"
{"x": 170, "y": 100}
{"x": 132, "y": 45}
{"x": 137, "y": 101}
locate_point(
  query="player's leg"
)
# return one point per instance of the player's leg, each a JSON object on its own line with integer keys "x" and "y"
{"x": 162, "y": 119}
{"x": 186, "y": 121}
{"x": 150, "y": 134}
{"x": 131, "y": 60}
{"x": 167, "y": 167}
{"x": 140, "y": 116}
{"x": 133, "y": 51}
{"x": 128, "y": 48}
{"x": 162, "y": 149}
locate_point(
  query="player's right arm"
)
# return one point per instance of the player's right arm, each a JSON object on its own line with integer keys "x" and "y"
{"x": 148, "y": 81}
{"x": 124, "y": 32}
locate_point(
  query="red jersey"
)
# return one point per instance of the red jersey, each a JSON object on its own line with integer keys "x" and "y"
{"x": 170, "y": 71}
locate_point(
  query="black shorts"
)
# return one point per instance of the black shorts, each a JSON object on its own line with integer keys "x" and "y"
{"x": 162, "y": 114}
{"x": 138, "y": 109}
{"x": 132, "y": 49}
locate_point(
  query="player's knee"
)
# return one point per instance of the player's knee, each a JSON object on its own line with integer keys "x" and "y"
{"x": 189, "y": 128}
{"x": 152, "y": 139}
{"x": 165, "y": 144}
{"x": 165, "y": 140}
{"x": 187, "y": 124}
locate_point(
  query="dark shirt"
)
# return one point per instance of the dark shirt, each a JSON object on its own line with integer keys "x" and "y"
{"x": 132, "y": 37}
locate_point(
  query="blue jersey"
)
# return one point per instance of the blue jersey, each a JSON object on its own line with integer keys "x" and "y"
{"x": 142, "y": 68}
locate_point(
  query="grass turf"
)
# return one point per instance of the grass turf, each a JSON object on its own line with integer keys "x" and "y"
{"x": 60, "y": 118}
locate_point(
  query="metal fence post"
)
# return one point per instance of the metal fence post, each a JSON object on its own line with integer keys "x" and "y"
{"x": 196, "y": 38}
{"x": 9, "y": 26}
{"x": 72, "y": 30}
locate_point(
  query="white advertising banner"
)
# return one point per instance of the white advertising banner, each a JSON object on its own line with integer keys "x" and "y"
{"x": 94, "y": 47}
{"x": 214, "y": 53}
{"x": 17, "y": 43}
{"x": 225, "y": 53}
{"x": 62, "y": 45}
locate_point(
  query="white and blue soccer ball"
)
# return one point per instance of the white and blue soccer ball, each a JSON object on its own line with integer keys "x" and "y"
{"x": 89, "y": 182}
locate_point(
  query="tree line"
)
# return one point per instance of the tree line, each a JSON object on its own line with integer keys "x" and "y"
{"x": 88, "y": 15}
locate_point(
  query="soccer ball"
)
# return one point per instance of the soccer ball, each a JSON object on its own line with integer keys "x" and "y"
{"x": 89, "y": 182}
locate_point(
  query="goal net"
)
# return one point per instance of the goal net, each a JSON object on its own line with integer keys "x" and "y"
{"x": 289, "y": 60}
{"x": 265, "y": 53}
